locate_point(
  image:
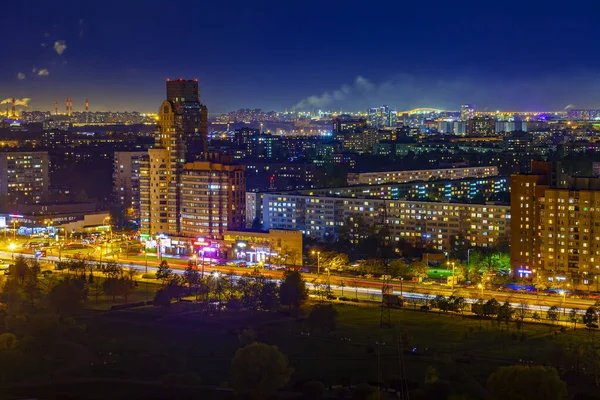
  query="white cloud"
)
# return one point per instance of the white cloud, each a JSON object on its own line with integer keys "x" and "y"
{"x": 21, "y": 76}
{"x": 43, "y": 44}
{"x": 360, "y": 85}
{"x": 43, "y": 72}
{"x": 60, "y": 46}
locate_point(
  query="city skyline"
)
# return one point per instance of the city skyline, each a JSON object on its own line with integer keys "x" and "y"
{"x": 113, "y": 56}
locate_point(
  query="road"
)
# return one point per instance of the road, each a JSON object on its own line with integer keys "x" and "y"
{"x": 365, "y": 286}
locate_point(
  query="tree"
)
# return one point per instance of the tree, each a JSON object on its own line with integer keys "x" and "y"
{"x": 419, "y": 269}
{"x": 67, "y": 296}
{"x": 293, "y": 291}
{"x": 458, "y": 303}
{"x": 258, "y": 370}
{"x": 19, "y": 270}
{"x": 162, "y": 298}
{"x": 121, "y": 286}
{"x": 505, "y": 313}
{"x": 539, "y": 283}
{"x": 191, "y": 276}
{"x": 552, "y": 314}
{"x": 269, "y": 295}
{"x": 323, "y": 317}
{"x": 527, "y": 383}
{"x": 164, "y": 273}
{"x": 334, "y": 261}
{"x": 370, "y": 266}
{"x": 441, "y": 302}
{"x": 342, "y": 284}
{"x": 399, "y": 268}
{"x": 574, "y": 317}
{"x": 521, "y": 313}
{"x": 590, "y": 317}
{"x": 112, "y": 269}
{"x": 491, "y": 308}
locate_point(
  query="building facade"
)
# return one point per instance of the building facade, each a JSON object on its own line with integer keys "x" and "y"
{"x": 492, "y": 188}
{"x": 24, "y": 176}
{"x": 126, "y": 181}
{"x": 213, "y": 197}
{"x": 418, "y": 222}
{"x": 185, "y": 191}
{"x": 275, "y": 246}
{"x": 371, "y": 178}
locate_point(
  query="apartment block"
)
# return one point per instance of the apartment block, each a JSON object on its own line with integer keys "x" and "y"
{"x": 24, "y": 176}
{"x": 126, "y": 181}
{"x": 372, "y": 178}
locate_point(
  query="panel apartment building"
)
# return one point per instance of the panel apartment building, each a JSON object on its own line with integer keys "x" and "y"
{"x": 126, "y": 181}
{"x": 24, "y": 176}
{"x": 556, "y": 224}
{"x": 418, "y": 222}
{"x": 372, "y": 178}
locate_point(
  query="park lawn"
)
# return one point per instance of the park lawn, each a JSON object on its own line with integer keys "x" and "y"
{"x": 148, "y": 342}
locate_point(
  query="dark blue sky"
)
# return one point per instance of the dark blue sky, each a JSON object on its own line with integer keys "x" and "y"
{"x": 278, "y": 54}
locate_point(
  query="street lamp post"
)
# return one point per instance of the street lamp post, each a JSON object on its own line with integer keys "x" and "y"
{"x": 453, "y": 276}
{"x": 468, "y": 257}
{"x": 401, "y": 291}
{"x": 328, "y": 281}
{"x": 318, "y": 261}
{"x": 146, "y": 259}
{"x": 481, "y": 287}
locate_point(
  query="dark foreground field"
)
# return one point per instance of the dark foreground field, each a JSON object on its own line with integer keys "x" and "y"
{"x": 135, "y": 353}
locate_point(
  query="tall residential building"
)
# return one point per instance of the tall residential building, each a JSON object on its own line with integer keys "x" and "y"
{"x": 525, "y": 192}
{"x": 569, "y": 231}
{"x": 181, "y": 137}
{"x": 126, "y": 181}
{"x": 24, "y": 176}
{"x": 467, "y": 111}
{"x": 213, "y": 197}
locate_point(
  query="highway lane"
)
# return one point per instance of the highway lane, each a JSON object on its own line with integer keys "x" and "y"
{"x": 365, "y": 286}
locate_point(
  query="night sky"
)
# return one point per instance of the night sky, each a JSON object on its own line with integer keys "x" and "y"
{"x": 314, "y": 54}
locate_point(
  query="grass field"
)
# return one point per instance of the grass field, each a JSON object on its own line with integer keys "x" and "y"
{"x": 147, "y": 343}
{"x": 143, "y": 344}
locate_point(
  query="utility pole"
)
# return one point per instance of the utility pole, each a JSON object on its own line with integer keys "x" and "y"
{"x": 385, "y": 318}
